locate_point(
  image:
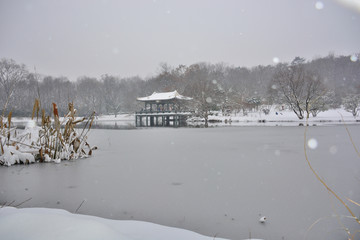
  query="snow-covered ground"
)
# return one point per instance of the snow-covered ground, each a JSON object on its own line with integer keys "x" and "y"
{"x": 284, "y": 118}
{"x": 45, "y": 224}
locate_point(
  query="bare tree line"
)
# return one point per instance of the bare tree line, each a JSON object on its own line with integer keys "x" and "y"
{"x": 306, "y": 87}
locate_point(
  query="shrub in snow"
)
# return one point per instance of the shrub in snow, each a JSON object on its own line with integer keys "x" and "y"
{"x": 54, "y": 140}
{"x": 352, "y": 104}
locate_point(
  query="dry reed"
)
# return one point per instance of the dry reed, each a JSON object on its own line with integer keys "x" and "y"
{"x": 332, "y": 192}
{"x": 58, "y": 138}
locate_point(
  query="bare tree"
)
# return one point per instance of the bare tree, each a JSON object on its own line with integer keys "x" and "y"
{"x": 57, "y": 90}
{"x": 10, "y": 74}
{"x": 298, "y": 87}
{"x": 204, "y": 86}
{"x": 288, "y": 81}
{"x": 315, "y": 92}
{"x": 130, "y": 89}
{"x": 112, "y": 95}
{"x": 89, "y": 98}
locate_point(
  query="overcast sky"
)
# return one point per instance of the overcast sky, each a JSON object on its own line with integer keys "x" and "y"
{"x": 93, "y": 37}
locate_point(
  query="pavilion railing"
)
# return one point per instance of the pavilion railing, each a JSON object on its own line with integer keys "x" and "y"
{"x": 163, "y": 111}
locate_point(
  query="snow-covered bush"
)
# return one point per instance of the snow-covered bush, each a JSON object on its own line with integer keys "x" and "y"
{"x": 55, "y": 140}
{"x": 352, "y": 104}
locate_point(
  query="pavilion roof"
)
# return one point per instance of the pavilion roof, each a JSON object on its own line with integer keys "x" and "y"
{"x": 163, "y": 96}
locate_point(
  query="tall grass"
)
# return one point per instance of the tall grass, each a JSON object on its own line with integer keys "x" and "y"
{"x": 53, "y": 138}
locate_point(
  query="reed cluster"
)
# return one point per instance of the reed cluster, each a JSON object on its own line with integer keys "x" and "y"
{"x": 46, "y": 138}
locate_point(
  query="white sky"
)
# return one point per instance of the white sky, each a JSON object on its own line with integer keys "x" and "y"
{"x": 94, "y": 37}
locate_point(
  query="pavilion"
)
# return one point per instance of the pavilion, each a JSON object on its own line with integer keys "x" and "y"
{"x": 163, "y": 109}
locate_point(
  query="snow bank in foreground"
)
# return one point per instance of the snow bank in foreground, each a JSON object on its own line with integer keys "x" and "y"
{"x": 42, "y": 223}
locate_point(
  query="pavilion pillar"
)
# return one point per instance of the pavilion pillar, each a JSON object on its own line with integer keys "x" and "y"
{"x": 151, "y": 121}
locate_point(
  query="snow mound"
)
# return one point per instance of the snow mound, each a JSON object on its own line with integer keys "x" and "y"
{"x": 43, "y": 224}
{"x": 12, "y": 156}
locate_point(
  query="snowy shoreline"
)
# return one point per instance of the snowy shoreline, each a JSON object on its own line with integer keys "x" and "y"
{"x": 45, "y": 223}
{"x": 274, "y": 118}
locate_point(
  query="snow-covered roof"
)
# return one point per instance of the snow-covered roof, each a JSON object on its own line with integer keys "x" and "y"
{"x": 164, "y": 96}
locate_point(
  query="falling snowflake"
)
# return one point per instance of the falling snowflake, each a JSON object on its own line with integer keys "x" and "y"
{"x": 312, "y": 143}
{"x": 333, "y": 150}
{"x": 353, "y": 58}
{"x": 319, "y": 5}
{"x": 276, "y": 60}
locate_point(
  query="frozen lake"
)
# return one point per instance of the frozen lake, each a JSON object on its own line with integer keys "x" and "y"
{"x": 215, "y": 181}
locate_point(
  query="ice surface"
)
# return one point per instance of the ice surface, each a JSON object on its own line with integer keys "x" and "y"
{"x": 171, "y": 177}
